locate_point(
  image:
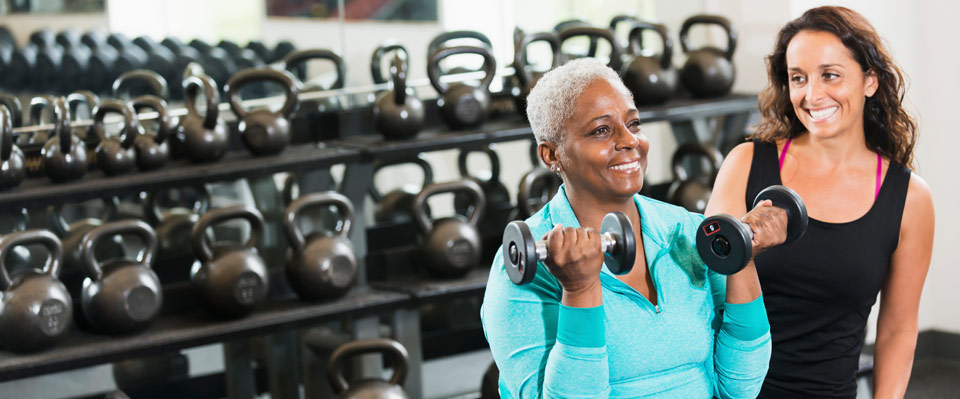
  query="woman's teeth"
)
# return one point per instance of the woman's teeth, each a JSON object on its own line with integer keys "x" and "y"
{"x": 822, "y": 114}
{"x": 626, "y": 166}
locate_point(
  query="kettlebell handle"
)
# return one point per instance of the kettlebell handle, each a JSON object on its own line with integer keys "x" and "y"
{"x": 191, "y": 85}
{"x": 159, "y": 106}
{"x": 468, "y": 186}
{"x": 12, "y": 103}
{"x": 444, "y": 37}
{"x": 36, "y": 236}
{"x": 417, "y": 160}
{"x": 6, "y": 134}
{"x": 695, "y": 148}
{"x": 520, "y": 55}
{"x": 636, "y": 42}
{"x": 535, "y": 153}
{"x": 494, "y": 163}
{"x": 130, "y": 125}
{"x": 156, "y": 215}
{"x": 60, "y": 226}
{"x": 619, "y": 19}
{"x": 398, "y": 354}
{"x": 301, "y": 56}
{"x": 88, "y": 244}
{"x": 433, "y": 68}
{"x": 616, "y": 51}
{"x": 200, "y": 245}
{"x": 398, "y": 73}
{"x": 61, "y": 119}
{"x": 121, "y": 86}
{"x": 291, "y": 215}
{"x": 527, "y": 183}
{"x": 377, "y": 58}
{"x": 723, "y": 22}
{"x": 82, "y": 97}
{"x": 281, "y": 77}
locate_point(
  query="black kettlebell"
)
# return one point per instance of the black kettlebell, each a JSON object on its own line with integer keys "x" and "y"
{"x": 151, "y": 148}
{"x": 72, "y": 235}
{"x": 652, "y": 79}
{"x": 619, "y": 19}
{"x": 573, "y": 23}
{"x": 12, "y": 171}
{"x": 527, "y": 78}
{"x": 36, "y": 111}
{"x": 121, "y": 295}
{"x": 396, "y": 205}
{"x": 140, "y": 82}
{"x": 296, "y": 62}
{"x": 494, "y": 191}
{"x": 14, "y": 220}
{"x": 375, "y": 387}
{"x": 440, "y": 41}
{"x": 398, "y": 113}
{"x": 64, "y": 155}
{"x": 462, "y": 105}
{"x": 202, "y": 138}
{"x": 616, "y": 52}
{"x": 75, "y": 67}
{"x": 115, "y": 154}
{"x": 13, "y": 104}
{"x": 173, "y": 225}
{"x": 537, "y": 188}
{"x": 320, "y": 265}
{"x": 35, "y": 307}
{"x": 87, "y": 134}
{"x": 376, "y": 59}
{"x": 708, "y": 71}
{"x": 230, "y": 279}
{"x": 451, "y": 246}
{"x": 19, "y": 72}
{"x": 693, "y": 193}
{"x": 264, "y": 132}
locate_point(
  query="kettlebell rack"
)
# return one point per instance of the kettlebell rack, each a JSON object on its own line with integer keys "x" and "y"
{"x": 398, "y": 298}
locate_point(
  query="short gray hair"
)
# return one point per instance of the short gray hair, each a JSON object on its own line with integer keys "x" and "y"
{"x": 551, "y": 101}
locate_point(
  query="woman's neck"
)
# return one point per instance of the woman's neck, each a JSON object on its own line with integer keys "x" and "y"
{"x": 591, "y": 209}
{"x": 842, "y": 149}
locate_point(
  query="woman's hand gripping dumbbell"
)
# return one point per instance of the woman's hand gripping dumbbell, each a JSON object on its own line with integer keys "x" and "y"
{"x": 726, "y": 244}
{"x": 616, "y": 239}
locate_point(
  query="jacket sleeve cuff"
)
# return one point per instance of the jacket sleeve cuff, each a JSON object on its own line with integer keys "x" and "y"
{"x": 745, "y": 321}
{"x": 581, "y": 327}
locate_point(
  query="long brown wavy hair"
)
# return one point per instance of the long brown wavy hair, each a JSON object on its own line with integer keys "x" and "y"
{"x": 889, "y": 129}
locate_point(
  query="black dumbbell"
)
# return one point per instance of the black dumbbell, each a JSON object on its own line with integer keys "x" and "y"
{"x": 521, "y": 253}
{"x": 725, "y": 243}
{"x": 74, "y": 68}
{"x": 19, "y": 73}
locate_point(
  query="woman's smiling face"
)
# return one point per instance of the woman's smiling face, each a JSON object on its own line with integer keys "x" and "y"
{"x": 603, "y": 150}
{"x": 828, "y": 88}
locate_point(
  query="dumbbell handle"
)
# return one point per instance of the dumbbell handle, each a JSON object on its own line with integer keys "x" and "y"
{"x": 607, "y": 243}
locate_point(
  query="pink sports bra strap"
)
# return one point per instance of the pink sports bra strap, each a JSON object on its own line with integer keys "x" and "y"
{"x": 876, "y": 193}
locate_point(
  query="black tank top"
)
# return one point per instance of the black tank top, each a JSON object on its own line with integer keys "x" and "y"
{"x": 818, "y": 291}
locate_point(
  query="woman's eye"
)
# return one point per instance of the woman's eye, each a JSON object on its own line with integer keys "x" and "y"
{"x": 600, "y": 130}
{"x": 830, "y": 76}
{"x": 797, "y": 79}
{"x": 634, "y": 124}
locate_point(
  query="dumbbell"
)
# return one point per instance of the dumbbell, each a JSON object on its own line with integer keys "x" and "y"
{"x": 725, "y": 243}
{"x": 522, "y": 253}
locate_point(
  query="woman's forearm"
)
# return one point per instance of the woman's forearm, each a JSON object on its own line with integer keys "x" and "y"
{"x": 743, "y": 286}
{"x": 893, "y": 362}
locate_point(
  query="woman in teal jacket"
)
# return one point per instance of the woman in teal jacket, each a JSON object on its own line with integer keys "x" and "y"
{"x": 670, "y": 328}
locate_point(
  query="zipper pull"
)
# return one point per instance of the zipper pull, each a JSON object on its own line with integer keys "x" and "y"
{"x": 658, "y": 308}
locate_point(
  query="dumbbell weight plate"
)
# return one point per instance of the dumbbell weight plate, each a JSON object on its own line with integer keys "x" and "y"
{"x": 519, "y": 253}
{"x": 724, "y": 243}
{"x": 620, "y": 260}
{"x": 790, "y": 201}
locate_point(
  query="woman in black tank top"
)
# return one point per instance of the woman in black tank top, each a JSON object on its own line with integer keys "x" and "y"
{"x": 835, "y": 131}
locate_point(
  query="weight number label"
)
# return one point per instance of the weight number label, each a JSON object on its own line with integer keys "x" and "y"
{"x": 52, "y": 317}
{"x": 247, "y": 288}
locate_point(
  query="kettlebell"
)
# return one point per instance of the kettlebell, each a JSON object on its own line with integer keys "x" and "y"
{"x": 527, "y": 78}
{"x": 264, "y": 132}
{"x": 616, "y": 52}
{"x": 693, "y": 193}
{"x": 64, "y": 155}
{"x": 115, "y": 154}
{"x": 462, "y": 105}
{"x": 121, "y": 295}
{"x": 451, "y": 246}
{"x": 376, "y": 59}
{"x": 296, "y": 61}
{"x": 12, "y": 171}
{"x": 40, "y": 136}
{"x": 495, "y": 192}
{"x": 652, "y": 79}
{"x": 87, "y": 135}
{"x": 375, "y": 387}
{"x": 619, "y": 19}
{"x": 708, "y": 71}
{"x": 537, "y": 188}
{"x": 320, "y": 266}
{"x": 140, "y": 82}
{"x": 14, "y": 220}
{"x": 203, "y": 138}
{"x": 396, "y": 205}
{"x": 173, "y": 225}
{"x": 230, "y": 279}
{"x": 72, "y": 236}
{"x": 398, "y": 114}
{"x": 35, "y": 307}
{"x": 572, "y": 23}
{"x": 151, "y": 148}
{"x": 14, "y": 106}
{"x": 440, "y": 41}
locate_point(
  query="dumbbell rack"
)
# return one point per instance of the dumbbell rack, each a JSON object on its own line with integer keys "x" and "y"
{"x": 399, "y": 298}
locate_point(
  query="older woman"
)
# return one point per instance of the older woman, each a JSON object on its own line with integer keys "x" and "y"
{"x": 836, "y": 132}
{"x": 670, "y": 328}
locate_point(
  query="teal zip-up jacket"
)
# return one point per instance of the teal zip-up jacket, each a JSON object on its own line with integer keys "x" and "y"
{"x": 691, "y": 345}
